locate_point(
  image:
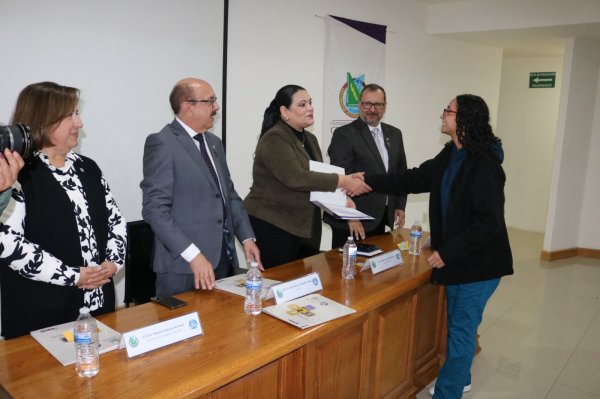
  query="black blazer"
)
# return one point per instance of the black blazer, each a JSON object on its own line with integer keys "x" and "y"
{"x": 472, "y": 241}
{"x": 353, "y": 148}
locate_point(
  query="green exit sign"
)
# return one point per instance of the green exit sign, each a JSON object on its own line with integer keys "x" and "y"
{"x": 539, "y": 80}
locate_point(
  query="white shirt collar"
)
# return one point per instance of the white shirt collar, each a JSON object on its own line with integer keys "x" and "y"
{"x": 188, "y": 129}
{"x": 374, "y": 127}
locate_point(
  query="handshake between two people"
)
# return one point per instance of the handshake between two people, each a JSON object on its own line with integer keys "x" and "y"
{"x": 354, "y": 184}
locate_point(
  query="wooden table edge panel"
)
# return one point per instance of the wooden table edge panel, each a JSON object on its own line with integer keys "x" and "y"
{"x": 234, "y": 344}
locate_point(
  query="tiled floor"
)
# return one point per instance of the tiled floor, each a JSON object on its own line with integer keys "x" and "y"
{"x": 540, "y": 334}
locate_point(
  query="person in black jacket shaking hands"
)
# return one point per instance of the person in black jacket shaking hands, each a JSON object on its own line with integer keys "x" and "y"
{"x": 469, "y": 240}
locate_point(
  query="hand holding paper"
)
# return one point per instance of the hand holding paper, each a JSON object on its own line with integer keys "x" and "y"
{"x": 334, "y": 203}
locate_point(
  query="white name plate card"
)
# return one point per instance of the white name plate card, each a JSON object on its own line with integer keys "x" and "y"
{"x": 383, "y": 262}
{"x": 162, "y": 334}
{"x": 296, "y": 288}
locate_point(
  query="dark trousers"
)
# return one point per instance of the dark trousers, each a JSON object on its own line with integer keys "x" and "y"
{"x": 340, "y": 236}
{"x": 277, "y": 246}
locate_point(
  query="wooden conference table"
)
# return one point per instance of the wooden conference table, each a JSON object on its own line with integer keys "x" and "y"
{"x": 390, "y": 348}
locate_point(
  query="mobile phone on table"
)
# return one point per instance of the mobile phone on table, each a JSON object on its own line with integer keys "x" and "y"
{"x": 169, "y": 301}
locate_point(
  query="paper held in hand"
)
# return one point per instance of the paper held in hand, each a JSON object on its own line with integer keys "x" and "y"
{"x": 334, "y": 203}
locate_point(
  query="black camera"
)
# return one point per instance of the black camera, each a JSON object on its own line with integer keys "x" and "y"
{"x": 16, "y": 138}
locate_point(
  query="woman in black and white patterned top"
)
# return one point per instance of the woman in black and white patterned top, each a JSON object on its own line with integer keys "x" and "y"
{"x": 61, "y": 221}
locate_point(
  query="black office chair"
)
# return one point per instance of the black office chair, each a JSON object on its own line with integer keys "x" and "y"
{"x": 139, "y": 277}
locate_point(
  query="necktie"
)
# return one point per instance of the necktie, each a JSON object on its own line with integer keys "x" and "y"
{"x": 378, "y": 137}
{"x": 200, "y": 138}
{"x": 227, "y": 236}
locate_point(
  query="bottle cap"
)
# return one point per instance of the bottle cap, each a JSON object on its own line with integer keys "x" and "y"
{"x": 253, "y": 263}
{"x": 84, "y": 310}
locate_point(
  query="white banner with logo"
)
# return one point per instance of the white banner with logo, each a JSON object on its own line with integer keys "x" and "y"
{"x": 354, "y": 57}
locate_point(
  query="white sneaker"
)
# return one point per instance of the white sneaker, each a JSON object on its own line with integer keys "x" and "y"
{"x": 467, "y": 388}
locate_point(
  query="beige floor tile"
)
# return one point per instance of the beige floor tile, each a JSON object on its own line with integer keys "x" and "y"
{"x": 510, "y": 353}
{"x": 547, "y": 326}
{"x": 488, "y": 383}
{"x": 591, "y": 339}
{"x": 423, "y": 394}
{"x": 572, "y": 284}
{"x": 582, "y": 372}
{"x": 531, "y": 272}
{"x": 579, "y": 269}
{"x": 511, "y": 290}
{"x": 540, "y": 333}
{"x": 543, "y": 300}
{"x": 494, "y": 309}
{"x": 560, "y": 391}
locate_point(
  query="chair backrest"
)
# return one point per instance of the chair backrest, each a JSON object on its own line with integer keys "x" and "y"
{"x": 139, "y": 277}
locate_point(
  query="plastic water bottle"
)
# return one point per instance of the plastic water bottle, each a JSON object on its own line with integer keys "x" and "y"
{"x": 416, "y": 232}
{"x": 85, "y": 334}
{"x": 348, "y": 267}
{"x": 253, "y": 301}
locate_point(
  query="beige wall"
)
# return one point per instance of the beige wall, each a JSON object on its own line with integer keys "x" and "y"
{"x": 589, "y": 231}
{"x": 527, "y": 126}
{"x": 572, "y": 211}
{"x": 285, "y": 44}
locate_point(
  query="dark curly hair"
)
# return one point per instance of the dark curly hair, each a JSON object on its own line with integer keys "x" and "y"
{"x": 473, "y": 127}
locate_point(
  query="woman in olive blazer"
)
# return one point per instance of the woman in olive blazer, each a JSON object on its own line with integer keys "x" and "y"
{"x": 287, "y": 225}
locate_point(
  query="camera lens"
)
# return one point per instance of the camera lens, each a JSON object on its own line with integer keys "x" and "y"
{"x": 16, "y": 138}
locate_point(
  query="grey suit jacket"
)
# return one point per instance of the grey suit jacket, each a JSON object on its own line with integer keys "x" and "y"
{"x": 182, "y": 202}
{"x": 353, "y": 148}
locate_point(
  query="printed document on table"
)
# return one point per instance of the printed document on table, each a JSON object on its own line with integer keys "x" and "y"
{"x": 58, "y": 340}
{"x": 308, "y": 311}
{"x": 237, "y": 285}
{"x": 334, "y": 202}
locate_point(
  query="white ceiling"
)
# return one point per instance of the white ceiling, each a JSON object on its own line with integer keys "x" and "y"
{"x": 525, "y": 42}
{"x": 529, "y": 42}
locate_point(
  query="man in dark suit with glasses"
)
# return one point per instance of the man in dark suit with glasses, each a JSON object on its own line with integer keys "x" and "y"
{"x": 370, "y": 146}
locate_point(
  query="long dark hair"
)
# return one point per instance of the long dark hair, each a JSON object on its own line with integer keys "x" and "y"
{"x": 473, "y": 127}
{"x": 272, "y": 113}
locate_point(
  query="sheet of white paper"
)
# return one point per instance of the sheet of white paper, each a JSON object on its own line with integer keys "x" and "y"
{"x": 237, "y": 285}
{"x": 333, "y": 202}
{"x": 343, "y": 212}
{"x": 336, "y": 197}
{"x": 308, "y": 311}
{"x": 54, "y": 341}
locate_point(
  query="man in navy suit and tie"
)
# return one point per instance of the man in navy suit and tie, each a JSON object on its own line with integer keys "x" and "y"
{"x": 370, "y": 146}
{"x": 189, "y": 199}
